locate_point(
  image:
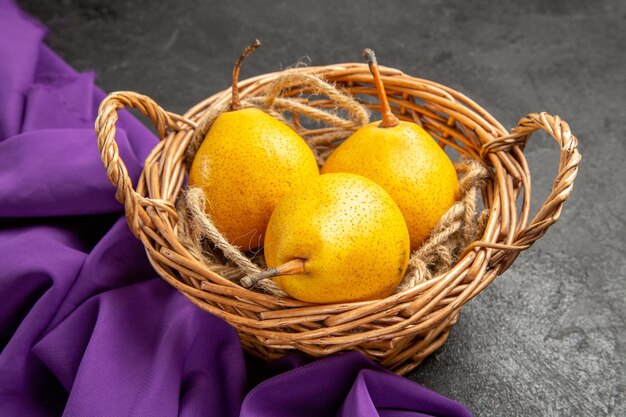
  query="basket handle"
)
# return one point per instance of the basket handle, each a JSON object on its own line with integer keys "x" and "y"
{"x": 105, "y": 125}
{"x": 569, "y": 160}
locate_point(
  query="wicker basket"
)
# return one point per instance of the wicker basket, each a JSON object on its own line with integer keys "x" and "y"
{"x": 398, "y": 331}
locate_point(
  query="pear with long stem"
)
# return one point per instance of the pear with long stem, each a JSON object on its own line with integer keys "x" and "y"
{"x": 246, "y": 164}
{"x": 402, "y": 158}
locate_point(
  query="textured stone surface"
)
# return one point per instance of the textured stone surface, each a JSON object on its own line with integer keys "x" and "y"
{"x": 546, "y": 338}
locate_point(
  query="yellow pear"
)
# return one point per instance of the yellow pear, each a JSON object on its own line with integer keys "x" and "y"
{"x": 246, "y": 164}
{"x": 405, "y": 160}
{"x": 339, "y": 239}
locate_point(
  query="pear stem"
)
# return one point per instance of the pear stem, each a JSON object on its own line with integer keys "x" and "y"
{"x": 293, "y": 267}
{"x": 389, "y": 119}
{"x": 235, "y": 103}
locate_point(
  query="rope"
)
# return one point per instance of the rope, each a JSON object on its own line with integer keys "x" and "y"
{"x": 456, "y": 229}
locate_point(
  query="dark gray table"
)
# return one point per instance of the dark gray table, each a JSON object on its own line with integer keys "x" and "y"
{"x": 547, "y": 337}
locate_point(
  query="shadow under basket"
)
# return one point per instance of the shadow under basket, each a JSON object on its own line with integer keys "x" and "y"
{"x": 398, "y": 331}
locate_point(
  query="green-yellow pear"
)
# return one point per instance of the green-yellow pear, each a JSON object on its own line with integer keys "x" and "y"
{"x": 339, "y": 239}
{"x": 405, "y": 160}
{"x": 246, "y": 164}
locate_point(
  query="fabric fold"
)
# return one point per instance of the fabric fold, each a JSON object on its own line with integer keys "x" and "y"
{"x": 79, "y": 185}
{"x": 61, "y": 92}
{"x": 16, "y": 73}
{"x": 345, "y": 385}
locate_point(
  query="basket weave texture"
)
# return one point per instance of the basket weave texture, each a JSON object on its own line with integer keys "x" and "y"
{"x": 398, "y": 331}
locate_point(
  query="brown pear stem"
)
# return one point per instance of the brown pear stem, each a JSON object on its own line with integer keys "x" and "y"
{"x": 389, "y": 119}
{"x": 293, "y": 267}
{"x": 235, "y": 103}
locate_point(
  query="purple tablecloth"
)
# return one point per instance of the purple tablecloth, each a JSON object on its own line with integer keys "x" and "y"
{"x": 86, "y": 326}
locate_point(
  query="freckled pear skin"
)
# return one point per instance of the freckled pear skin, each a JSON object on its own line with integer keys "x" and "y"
{"x": 247, "y": 163}
{"x": 349, "y": 231}
{"x": 407, "y": 162}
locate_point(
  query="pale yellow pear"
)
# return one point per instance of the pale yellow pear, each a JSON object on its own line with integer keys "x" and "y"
{"x": 349, "y": 236}
{"x": 246, "y": 164}
{"x": 406, "y": 161}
